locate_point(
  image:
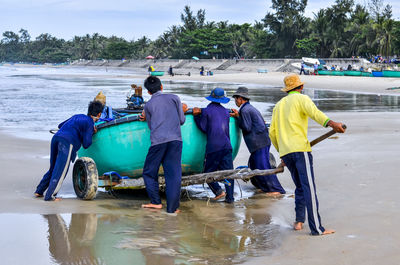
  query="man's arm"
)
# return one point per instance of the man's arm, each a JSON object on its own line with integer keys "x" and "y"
{"x": 87, "y": 135}
{"x": 245, "y": 121}
{"x": 200, "y": 119}
{"x": 336, "y": 126}
{"x": 314, "y": 113}
{"x": 273, "y": 132}
{"x": 180, "y": 107}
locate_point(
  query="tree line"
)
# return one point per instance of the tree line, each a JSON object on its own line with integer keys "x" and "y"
{"x": 344, "y": 29}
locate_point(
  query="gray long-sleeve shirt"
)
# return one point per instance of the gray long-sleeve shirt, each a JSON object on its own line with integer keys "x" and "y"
{"x": 164, "y": 116}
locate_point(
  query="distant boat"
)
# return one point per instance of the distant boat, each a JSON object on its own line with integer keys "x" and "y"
{"x": 310, "y": 61}
{"x": 377, "y": 74}
{"x": 391, "y": 73}
{"x": 306, "y": 67}
{"x": 157, "y": 73}
{"x": 352, "y": 73}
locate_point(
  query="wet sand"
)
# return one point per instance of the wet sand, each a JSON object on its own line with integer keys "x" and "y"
{"x": 356, "y": 177}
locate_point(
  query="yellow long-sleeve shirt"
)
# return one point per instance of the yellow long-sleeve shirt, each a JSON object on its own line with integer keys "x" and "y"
{"x": 289, "y": 124}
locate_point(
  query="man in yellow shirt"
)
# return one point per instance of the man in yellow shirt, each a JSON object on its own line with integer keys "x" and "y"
{"x": 288, "y": 133}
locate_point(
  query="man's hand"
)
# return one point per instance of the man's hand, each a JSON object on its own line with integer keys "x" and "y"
{"x": 142, "y": 116}
{"x": 196, "y": 111}
{"x": 95, "y": 129}
{"x": 234, "y": 113}
{"x": 336, "y": 126}
{"x": 184, "y": 107}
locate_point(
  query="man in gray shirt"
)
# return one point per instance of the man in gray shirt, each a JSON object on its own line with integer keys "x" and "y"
{"x": 165, "y": 115}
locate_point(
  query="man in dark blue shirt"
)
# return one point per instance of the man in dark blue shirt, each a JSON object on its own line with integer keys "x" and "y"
{"x": 165, "y": 115}
{"x": 214, "y": 121}
{"x": 255, "y": 134}
{"x": 74, "y": 132}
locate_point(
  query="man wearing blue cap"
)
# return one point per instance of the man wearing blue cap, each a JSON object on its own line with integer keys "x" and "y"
{"x": 255, "y": 134}
{"x": 214, "y": 121}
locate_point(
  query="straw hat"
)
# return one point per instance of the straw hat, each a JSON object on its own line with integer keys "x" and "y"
{"x": 101, "y": 97}
{"x": 291, "y": 81}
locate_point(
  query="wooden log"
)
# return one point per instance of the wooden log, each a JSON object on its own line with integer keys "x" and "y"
{"x": 243, "y": 174}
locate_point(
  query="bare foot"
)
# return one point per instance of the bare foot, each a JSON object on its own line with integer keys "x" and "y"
{"x": 152, "y": 206}
{"x": 298, "y": 226}
{"x": 219, "y": 196}
{"x": 178, "y": 211}
{"x": 37, "y": 195}
{"x": 273, "y": 194}
{"x": 328, "y": 232}
{"x": 57, "y": 199}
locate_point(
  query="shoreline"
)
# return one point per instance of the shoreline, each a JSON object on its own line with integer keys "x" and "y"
{"x": 355, "y": 172}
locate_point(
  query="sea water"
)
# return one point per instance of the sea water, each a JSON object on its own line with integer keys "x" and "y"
{"x": 34, "y": 100}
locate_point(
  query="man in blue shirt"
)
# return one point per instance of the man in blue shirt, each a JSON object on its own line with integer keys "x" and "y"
{"x": 74, "y": 132}
{"x": 214, "y": 121}
{"x": 255, "y": 134}
{"x": 165, "y": 115}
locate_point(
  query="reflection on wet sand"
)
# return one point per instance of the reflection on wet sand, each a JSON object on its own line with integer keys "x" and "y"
{"x": 216, "y": 234}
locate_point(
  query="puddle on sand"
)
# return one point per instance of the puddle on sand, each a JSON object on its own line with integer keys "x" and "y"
{"x": 215, "y": 234}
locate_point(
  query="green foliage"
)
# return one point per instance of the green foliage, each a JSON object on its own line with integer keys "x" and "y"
{"x": 341, "y": 30}
{"x": 307, "y": 47}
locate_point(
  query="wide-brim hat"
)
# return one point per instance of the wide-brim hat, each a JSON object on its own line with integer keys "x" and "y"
{"x": 218, "y": 95}
{"x": 291, "y": 81}
{"x": 242, "y": 92}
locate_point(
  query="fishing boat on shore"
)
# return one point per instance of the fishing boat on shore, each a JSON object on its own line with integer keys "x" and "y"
{"x": 119, "y": 148}
{"x": 390, "y": 73}
{"x": 157, "y": 73}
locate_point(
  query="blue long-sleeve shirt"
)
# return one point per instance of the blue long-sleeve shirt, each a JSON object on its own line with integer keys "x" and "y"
{"x": 214, "y": 121}
{"x": 164, "y": 117}
{"x": 78, "y": 130}
{"x": 255, "y": 132}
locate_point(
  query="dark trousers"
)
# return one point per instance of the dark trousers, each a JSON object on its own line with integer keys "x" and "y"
{"x": 60, "y": 158}
{"x": 302, "y": 71}
{"x": 300, "y": 166}
{"x": 220, "y": 160}
{"x": 169, "y": 155}
{"x": 260, "y": 160}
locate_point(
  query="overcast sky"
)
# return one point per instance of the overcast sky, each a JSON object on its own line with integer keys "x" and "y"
{"x": 131, "y": 19}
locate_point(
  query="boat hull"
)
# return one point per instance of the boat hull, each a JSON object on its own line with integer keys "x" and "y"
{"x": 123, "y": 147}
{"x": 377, "y": 74}
{"x": 157, "y": 73}
{"x": 389, "y": 73}
{"x": 352, "y": 73}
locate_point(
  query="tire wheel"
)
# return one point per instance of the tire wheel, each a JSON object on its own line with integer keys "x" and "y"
{"x": 272, "y": 160}
{"x": 85, "y": 178}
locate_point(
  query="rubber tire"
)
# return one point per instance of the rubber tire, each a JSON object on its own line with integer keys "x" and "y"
{"x": 85, "y": 178}
{"x": 272, "y": 160}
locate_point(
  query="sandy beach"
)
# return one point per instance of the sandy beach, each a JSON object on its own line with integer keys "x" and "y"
{"x": 356, "y": 177}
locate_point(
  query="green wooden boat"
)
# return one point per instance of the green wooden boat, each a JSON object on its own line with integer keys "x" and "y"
{"x": 368, "y": 74}
{"x": 391, "y": 73}
{"x": 122, "y": 146}
{"x": 324, "y": 72}
{"x": 157, "y": 73}
{"x": 352, "y": 73}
